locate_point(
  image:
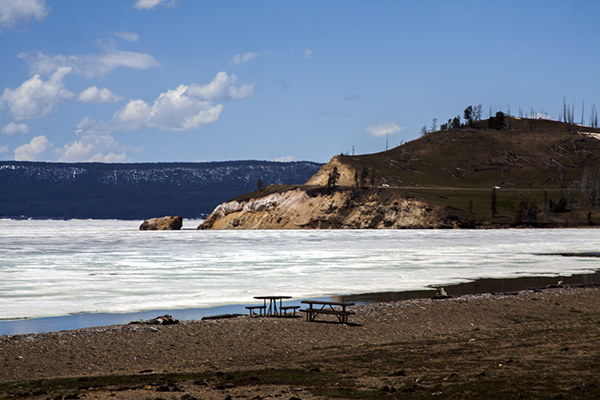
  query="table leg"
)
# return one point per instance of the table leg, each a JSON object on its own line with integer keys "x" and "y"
{"x": 280, "y": 305}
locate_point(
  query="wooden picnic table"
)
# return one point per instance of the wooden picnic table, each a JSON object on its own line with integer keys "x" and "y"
{"x": 271, "y": 310}
{"x": 327, "y": 307}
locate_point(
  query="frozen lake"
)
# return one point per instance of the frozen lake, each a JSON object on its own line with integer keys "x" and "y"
{"x": 56, "y": 268}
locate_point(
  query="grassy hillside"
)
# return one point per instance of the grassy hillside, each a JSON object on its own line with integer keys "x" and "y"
{"x": 555, "y": 163}
{"x": 546, "y": 173}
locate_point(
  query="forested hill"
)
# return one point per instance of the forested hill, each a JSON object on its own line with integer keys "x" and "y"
{"x": 135, "y": 191}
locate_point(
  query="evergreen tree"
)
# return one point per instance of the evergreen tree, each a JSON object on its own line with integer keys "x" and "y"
{"x": 334, "y": 177}
{"x": 468, "y": 116}
{"x": 497, "y": 122}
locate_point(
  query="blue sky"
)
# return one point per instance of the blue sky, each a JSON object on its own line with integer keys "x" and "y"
{"x": 193, "y": 80}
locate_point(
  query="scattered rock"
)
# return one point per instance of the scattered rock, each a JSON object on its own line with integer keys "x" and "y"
{"x": 453, "y": 377}
{"x": 441, "y": 294}
{"x": 162, "y": 320}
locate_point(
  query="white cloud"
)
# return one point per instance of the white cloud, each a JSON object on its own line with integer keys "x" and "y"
{"x": 221, "y": 88}
{"x": 89, "y": 65}
{"x": 13, "y": 128}
{"x": 14, "y": 12}
{"x": 101, "y": 148}
{"x": 172, "y": 111}
{"x": 244, "y": 58}
{"x": 384, "y": 129}
{"x": 33, "y": 149}
{"x": 98, "y": 96}
{"x": 284, "y": 159}
{"x": 182, "y": 109}
{"x": 134, "y": 114}
{"x": 128, "y": 36}
{"x": 149, "y": 4}
{"x": 308, "y": 53}
{"x": 36, "y": 98}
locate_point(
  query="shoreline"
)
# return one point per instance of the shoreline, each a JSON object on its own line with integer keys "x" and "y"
{"x": 539, "y": 343}
{"x": 477, "y": 286}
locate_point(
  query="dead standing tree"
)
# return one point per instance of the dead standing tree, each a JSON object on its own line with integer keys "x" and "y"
{"x": 494, "y": 204}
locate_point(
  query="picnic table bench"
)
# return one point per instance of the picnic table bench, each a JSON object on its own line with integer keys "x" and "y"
{"x": 327, "y": 308}
{"x": 284, "y": 310}
{"x": 261, "y": 310}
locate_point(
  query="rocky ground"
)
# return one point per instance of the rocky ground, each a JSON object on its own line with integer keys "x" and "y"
{"x": 534, "y": 344}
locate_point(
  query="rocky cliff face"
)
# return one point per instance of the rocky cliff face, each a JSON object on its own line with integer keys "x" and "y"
{"x": 322, "y": 208}
{"x": 347, "y": 173}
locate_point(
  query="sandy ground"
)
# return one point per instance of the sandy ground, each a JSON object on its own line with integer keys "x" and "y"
{"x": 534, "y": 344}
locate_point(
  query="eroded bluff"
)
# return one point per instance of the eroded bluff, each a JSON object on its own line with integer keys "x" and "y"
{"x": 323, "y": 208}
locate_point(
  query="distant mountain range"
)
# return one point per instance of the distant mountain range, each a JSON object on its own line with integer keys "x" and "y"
{"x": 135, "y": 191}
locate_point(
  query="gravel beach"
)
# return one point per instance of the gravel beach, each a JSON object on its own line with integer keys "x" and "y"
{"x": 534, "y": 343}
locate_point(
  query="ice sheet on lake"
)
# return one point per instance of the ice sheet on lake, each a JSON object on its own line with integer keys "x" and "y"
{"x": 50, "y": 268}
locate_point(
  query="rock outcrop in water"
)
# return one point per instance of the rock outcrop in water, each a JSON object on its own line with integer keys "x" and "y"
{"x": 162, "y": 224}
{"x": 323, "y": 208}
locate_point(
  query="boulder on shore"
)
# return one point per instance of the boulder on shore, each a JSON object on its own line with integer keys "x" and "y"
{"x": 162, "y": 224}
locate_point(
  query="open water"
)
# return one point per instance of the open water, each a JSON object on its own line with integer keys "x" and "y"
{"x": 57, "y": 268}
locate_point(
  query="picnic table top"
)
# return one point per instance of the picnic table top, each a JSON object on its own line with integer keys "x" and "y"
{"x": 272, "y": 297}
{"x": 327, "y": 303}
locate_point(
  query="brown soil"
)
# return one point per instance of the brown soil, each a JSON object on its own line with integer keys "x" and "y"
{"x": 537, "y": 344}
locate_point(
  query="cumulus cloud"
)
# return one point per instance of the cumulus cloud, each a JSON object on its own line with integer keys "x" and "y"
{"x": 15, "y": 12}
{"x": 308, "y": 53}
{"x": 98, "y": 96}
{"x": 32, "y": 150}
{"x": 36, "y": 98}
{"x": 182, "y": 109}
{"x": 13, "y": 128}
{"x": 172, "y": 111}
{"x": 244, "y": 58}
{"x": 221, "y": 88}
{"x": 384, "y": 129}
{"x": 128, "y": 36}
{"x": 89, "y": 65}
{"x": 101, "y": 148}
{"x": 149, "y": 4}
